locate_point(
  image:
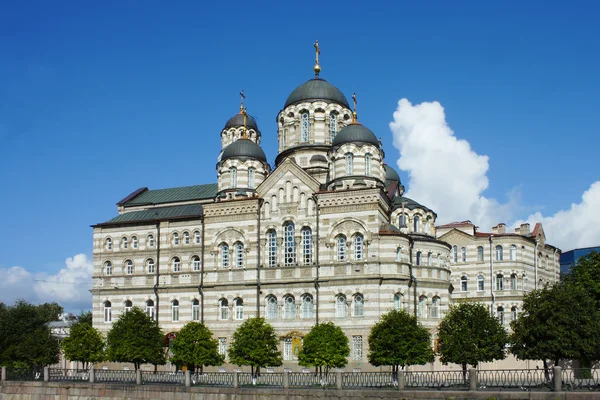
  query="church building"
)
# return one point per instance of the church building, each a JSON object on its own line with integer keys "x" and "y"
{"x": 323, "y": 233}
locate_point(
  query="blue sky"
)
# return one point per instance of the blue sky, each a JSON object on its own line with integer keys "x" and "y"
{"x": 99, "y": 99}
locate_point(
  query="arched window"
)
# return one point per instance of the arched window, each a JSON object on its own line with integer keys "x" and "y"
{"x": 196, "y": 263}
{"x": 239, "y": 254}
{"x": 107, "y": 311}
{"x": 284, "y": 136}
{"x": 428, "y": 226}
{"x": 134, "y": 242}
{"x": 272, "y": 247}
{"x": 129, "y": 267}
{"x": 368, "y": 164}
{"x": 399, "y": 254}
{"x": 332, "y": 126}
{"x": 196, "y": 237}
{"x": 513, "y": 282}
{"x": 359, "y": 247}
{"x": 455, "y": 253}
{"x": 480, "y": 254}
{"x": 349, "y": 162}
{"x": 176, "y": 264}
{"x": 108, "y": 244}
{"x": 150, "y": 309}
{"x": 422, "y": 307}
{"x": 251, "y": 178}
{"x": 480, "y": 283}
{"x": 239, "y": 308}
{"x": 186, "y": 238}
{"x": 124, "y": 242}
{"x": 435, "y": 307}
{"x": 499, "y": 282}
{"x": 224, "y": 255}
{"x": 223, "y": 310}
{"x": 307, "y": 306}
{"x": 150, "y": 266}
{"x": 397, "y": 301}
{"x": 150, "y": 240}
{"x": 418, "y": 258}
{"x": 175, "y": 310}
{"x": 128, "y": 305}
{"x": 307, "y": 245}
{"x": 233, "y": 177}
{"x": 175, "y": 239}
{"x": 429, "y": 259}
{"x": 402, "y": 219}
{"x": 195, "y": 310}
{"x": 513, "y": 313}
{"x": 340, "y": 306}
{"x": 463, "y": 252}
{"x": 289, "y": 243}
{"x": 289, "y": 307}
{"x": 500, "y": 315}
{"x": 304, "y": 127}
{"x": 513, "y": 252}
{"x": 463, "y": 284}
{"x": 108, "y": 268}
{"x": 358, "y": 306}
{"x": 340, "y": 243}
{"x": 271, "y": 307}
{"x": 416, "y": 224}
{"x": 499, "y": 253}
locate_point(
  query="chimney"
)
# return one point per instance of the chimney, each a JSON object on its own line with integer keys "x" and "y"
{"x": 501, "y": 228}
{"x": 524, "y": 230}
{"x": 495, "y": 230}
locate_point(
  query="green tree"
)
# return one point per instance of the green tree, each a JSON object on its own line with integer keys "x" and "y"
{"x": 195, "y": 347}
{"x": 325, "y": 346}
{"x": 255, "y": 344}
{"x": 399, "y": 340}
{"x": 586, "y": 273}
{"x": 135, "y": 338}
{"x": 468, "y": 335}
{"x": 25, "y": 338}
{"x": 85, "y": 317}
{"x": 84, "y": 343}
{"x": 557, "y": 322}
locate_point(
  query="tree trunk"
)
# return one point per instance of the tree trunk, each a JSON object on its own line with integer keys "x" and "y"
{"x": 464, "y": 371}
{"x": 546, "y": 371}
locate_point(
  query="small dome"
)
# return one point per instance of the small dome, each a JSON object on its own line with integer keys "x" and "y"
{"x": 238, "y": 120}
{"x": 317, "y": 89}
{"x": 355, "y": 133}
{"x": 244, "y": 148}
{"x": 390, "y": 174}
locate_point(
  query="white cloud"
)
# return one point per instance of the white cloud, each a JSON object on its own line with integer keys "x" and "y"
{"x": 446, "y": 174}
{"x": 69, "y": 287}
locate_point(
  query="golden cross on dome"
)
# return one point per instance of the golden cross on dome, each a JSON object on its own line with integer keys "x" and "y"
{"x": 317, "y": 67}
{"x": 354, "y": 113}
{"x": 242, "y": 97}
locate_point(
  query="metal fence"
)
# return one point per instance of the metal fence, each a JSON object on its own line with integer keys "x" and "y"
{"x": 454, "y": 380}
{"x": 580, "y": 379}
{"x": 524, "y": 379}
{"x": 212, "y": 379}
{"x": 162, "y": 378}
{"x": 368, "y": 380}
{"x": 311, "y": 380}
{"x": 268, "y": 379}
{"x": 68, "y": 375}
{"x": 21, "y": 374}
{"x": 114, "y": 376}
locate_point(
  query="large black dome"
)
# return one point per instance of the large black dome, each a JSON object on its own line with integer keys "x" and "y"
{"x": 244, "y": 148}
{"x": 317, "y": 89}
{"x": 355, "y": 133}
{"x": 238, "y": 120}
{"x": 391, "y": 174}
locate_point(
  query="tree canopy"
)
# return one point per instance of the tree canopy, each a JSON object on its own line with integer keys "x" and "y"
{"x": 195, "y": 346}
{"x": 325, "y": 346}
{"x": 25, "y": 338}
{"x": 399, "y": 340}
{"x": 135, "y": 338}
{"x": 468, "y": 335}
{"x": 84, "y": 343}
{"x": 255, "y": 344}
{"x": 586, "y": 273}
{"x": 557, "y": 322}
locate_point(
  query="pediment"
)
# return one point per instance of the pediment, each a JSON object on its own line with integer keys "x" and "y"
{"x": 454, "y": 235}
{"x": 288, "y": 170}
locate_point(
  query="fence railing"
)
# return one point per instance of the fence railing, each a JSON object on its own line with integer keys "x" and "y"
{"x": 556, "y": 379}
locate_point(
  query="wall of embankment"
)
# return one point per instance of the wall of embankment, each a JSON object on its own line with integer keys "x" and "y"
{"x": 13, "y": 390}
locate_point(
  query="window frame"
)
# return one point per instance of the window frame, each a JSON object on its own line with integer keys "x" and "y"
{"x": 358, "y": 306}
{"x": 341, "y": 307}
{"x": 304, "y": 127}
{"x": 349, "y": 157}
{"x": 359, "y": 246}
{"x": 289, "y": 244}
{"x": 175, "y": 310}
{"x": 107, "y": 311}
{"x": 341, "y": 249}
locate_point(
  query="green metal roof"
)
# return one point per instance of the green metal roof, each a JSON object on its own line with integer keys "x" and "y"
{"x": 159, "y": 213}
{"x": 409, "y": 203}
{"x": 171, "y": 195}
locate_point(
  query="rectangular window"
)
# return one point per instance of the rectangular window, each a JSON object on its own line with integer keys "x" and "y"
{"x": 499, "y": 285}
{"x": 357, "y": 348}
{"x": 480, "y": 284}
{"x": 175, "y": 313}
{"x": 223, "y": 346}
{"x": 287, "y": 349}
{"x": 196, "y": 312}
